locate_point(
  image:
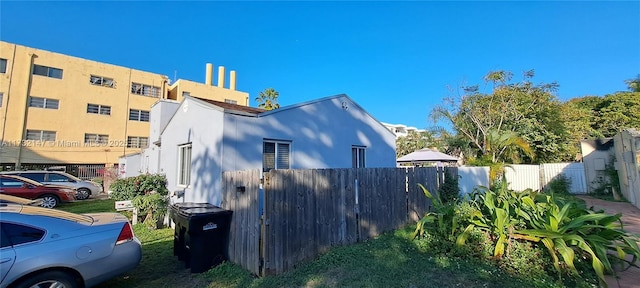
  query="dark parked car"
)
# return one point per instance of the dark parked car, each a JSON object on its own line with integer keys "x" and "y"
{"x": 51, "y": 195}
{"x": 53, "y": 248}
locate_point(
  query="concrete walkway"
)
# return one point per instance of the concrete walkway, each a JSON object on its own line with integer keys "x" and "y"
{"x": 631, "y": 221}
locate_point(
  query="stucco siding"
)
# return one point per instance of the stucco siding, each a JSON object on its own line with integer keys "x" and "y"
{"x": 200, "y": 125}
{"x": 321, "y": 135}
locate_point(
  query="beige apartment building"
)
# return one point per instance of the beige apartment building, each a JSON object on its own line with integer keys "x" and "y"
{"x": 62, "y": 110}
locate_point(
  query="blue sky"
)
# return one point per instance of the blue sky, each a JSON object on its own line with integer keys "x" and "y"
{"x": 396, "y": 59}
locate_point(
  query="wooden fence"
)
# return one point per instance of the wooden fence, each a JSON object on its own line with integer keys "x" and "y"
{"x": 306, "y": 212}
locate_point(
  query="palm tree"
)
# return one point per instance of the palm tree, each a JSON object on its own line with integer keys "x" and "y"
{"x": 503, "y": 146}
{"x": 633, "y": 84}
{"x": 268, "y": 99}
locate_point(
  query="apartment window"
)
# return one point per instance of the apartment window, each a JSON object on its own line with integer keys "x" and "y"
{"x": 184, "y": 164}
{"x": 47, "y": 71}
{"x": 145, "y": 90}
{"x": 137, "y": 142}
{"x": 3, "y": 65}
{"x": 41, "y": 135}
{"x": 1, "y": 99}
{"x": 275, "y": 155}
{"x": 46, "y": 103}
{"x": 185, "y": 93}
{"x": 101, "y": 81}
{"x": 98, "y": 109}
{"x": 230, "y": 101}
{"x": 357, "y": 156}
{"x": 96, "y": 138}
{"x": 138, "y": 115}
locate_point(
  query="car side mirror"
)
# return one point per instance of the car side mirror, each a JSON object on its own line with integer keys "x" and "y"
{"x": 27, "y": 186}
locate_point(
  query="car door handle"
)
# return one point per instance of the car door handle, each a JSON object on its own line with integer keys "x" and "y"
{"x": 5, "y": 260}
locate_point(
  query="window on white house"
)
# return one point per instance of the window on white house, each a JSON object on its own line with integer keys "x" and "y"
{"x": 98, "y": 109}
{"x": 184, "y": 164}
{"x": 3, "y": 65}
{"x": 101, "y": 81}
{"x": 138, "y": 115}
{"x": 275, "y": 155}
{"x": 145, "y": 90}
{"x": 357, "y": 156}
{"x": 47, "y": 71}
{"x": 41, "y": 135}
{"x": 96, "y": 138}
{"x": 137, "y": 142}
{"x": 43, "y": 102}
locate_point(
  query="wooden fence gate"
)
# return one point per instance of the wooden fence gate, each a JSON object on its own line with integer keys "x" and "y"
{"x": 299, "y": 214}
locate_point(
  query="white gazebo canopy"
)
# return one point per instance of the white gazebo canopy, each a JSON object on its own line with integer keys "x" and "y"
{"x": 425, "y": 156}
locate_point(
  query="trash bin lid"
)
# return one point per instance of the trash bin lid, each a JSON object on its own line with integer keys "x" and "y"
{"x": 204, "y": 211}
{"x": 188, "y": 205}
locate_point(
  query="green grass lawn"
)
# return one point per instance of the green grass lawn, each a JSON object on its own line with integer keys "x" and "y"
{"x": 391, "y": 260}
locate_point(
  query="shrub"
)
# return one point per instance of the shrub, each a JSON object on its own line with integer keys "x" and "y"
{"x": 449, "y": 190}
{"x": 130, "y": 187}
{"x": 561, "y": 184}
{"x": 148, "y": 193}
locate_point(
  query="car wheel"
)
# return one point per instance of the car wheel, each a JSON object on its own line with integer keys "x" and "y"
{"x": 49, "y": 201}
{"x": 50, "y": 279}
{"x": 82, "y": 193}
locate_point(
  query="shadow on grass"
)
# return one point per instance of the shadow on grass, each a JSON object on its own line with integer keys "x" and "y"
{"x": 391, "y": 260}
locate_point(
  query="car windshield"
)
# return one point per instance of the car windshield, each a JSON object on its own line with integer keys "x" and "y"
{"x": 78, "y": 218}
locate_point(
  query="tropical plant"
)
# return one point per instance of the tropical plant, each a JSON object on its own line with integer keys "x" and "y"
{"x": 268, "y": 99}
{"x": 561, "y": 224}
{"x": 443, "y": 215}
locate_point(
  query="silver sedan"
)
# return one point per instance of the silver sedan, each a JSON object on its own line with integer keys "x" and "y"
{"x": 52, "y": 248}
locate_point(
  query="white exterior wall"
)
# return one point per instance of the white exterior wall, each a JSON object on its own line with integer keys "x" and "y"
{"x": 201, "y": 125}
{"x": 129, "y": 165}
{"x": 161, "y": 113}
{"x": 321, "y": 135}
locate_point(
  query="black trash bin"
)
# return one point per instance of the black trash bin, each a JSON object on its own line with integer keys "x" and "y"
{"x": 201, "y": 234}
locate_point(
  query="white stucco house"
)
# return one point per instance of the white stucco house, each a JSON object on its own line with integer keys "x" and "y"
{"x": 192, "y": 142}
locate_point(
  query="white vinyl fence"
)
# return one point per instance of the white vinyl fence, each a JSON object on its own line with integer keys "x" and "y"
{"x": 573, "y": 171}
{"x": 471, "y": 177}
{"x": 522, "y": 177}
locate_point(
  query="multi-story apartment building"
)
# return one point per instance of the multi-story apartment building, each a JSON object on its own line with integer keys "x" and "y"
{"x": 57, "y": 109}
{"x": 402, "y": 130}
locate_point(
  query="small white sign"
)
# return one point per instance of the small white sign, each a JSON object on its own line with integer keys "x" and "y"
{"x": 124, "y": 205}
{"x": 209, "y": 226}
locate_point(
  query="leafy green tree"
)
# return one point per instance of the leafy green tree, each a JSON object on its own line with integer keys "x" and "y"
{"x": 522, "y": 109}
{"x": 414, "y": 141}
{"x": 595, "y": 117}
{"x": 617, "y": 112}
{"x": 268, "y": 99}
